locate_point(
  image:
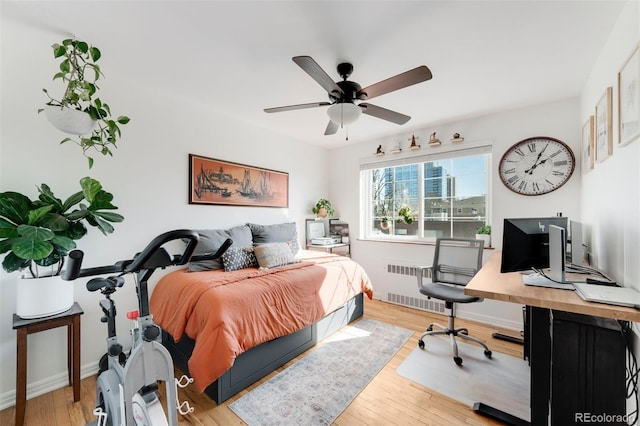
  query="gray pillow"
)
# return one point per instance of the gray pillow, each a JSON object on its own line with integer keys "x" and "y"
{"x": 278, "y": 233}
{"x": 212, "y": 239}
{"x": 270, "y": 255}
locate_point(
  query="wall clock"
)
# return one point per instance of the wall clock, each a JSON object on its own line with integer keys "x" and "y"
{"x": 536, "y": 166}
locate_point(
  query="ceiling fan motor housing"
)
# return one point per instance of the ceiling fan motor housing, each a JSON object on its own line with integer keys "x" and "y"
{"x": 351, "y": 91}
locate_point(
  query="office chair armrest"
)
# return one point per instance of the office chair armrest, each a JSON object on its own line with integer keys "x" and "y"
{"x": 420, "y": 273}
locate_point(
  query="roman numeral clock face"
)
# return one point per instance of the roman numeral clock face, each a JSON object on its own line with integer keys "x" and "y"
{"x": 537, "y": 166}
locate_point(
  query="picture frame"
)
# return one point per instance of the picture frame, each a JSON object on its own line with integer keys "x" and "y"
{"x": 214, "y": 181}
{"x": 587, "y": 145}
{"x": 315, "y": 229}
{"x": 629, "y": 99}
{"x": 603, "y": 126}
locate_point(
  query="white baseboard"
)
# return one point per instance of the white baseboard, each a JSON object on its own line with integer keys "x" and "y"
{"x": 58, "y": 381}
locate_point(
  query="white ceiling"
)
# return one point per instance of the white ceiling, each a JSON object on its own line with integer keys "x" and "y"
{"x": 235, "y": 56}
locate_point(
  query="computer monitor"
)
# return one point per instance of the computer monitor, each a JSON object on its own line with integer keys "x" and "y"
{"x": 525, "y": 242}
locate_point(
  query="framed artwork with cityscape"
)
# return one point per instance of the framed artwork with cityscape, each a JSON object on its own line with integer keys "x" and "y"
{"x": 213, "y": 181}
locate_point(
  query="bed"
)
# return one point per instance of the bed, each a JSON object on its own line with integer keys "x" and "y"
{"x": 230, "y": 326}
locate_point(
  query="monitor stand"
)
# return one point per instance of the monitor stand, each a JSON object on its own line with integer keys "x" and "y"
{"x": 557, "y": 255}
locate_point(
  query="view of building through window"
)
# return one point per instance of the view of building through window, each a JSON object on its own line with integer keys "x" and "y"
{"x": 442, "y": 198}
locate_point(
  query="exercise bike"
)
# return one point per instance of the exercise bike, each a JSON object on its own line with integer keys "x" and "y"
{"x": 127, "y": 391}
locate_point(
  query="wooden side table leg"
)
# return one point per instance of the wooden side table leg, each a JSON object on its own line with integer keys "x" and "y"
{"x": 70, "y": 353}
{"x": 76, "y": 358}
{"x": 21, "y": 376}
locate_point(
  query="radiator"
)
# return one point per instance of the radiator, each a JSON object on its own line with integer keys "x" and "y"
{"x": 418, "y": 302}
{"x": 422, "y": 303}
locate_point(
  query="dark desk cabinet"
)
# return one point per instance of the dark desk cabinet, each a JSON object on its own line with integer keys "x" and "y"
{"x": 587, "y": 370}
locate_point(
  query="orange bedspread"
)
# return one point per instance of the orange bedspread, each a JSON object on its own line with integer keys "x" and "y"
{"x": 227, "y": 313}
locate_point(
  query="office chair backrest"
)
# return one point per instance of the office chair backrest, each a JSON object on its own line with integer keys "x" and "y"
{"x": 456, "y": 260}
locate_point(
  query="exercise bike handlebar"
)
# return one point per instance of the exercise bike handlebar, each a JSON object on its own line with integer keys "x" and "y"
{"x": 147, "y": 259}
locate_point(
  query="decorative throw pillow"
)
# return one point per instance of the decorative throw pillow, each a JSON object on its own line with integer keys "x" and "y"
{"x": 239, "y": 258}
{"x": 277, "y": 233}
{"x": 270, "y": 255}
{"x": 212, "y": 239}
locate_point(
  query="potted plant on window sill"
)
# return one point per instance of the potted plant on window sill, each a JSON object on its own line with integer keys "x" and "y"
{"x": 37, "y": 235}
{"x": 323, "y": 209}
{"x": 484, "y": 233}
{"x": 405, "y": 222}
{"x": 79, "y": 111}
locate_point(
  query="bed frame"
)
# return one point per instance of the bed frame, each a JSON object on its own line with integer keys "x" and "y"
{"x": 257, "y": 362}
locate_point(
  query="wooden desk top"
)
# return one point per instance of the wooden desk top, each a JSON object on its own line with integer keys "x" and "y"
{"x": 491, "y": 284}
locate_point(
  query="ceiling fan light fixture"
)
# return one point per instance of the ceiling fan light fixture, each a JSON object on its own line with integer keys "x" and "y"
{"x": 344, "y": 113}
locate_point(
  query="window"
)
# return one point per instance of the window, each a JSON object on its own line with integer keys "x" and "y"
{"x": 426, "y": 197}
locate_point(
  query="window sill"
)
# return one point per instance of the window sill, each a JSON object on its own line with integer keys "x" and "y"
{"x": 398, "y": 241}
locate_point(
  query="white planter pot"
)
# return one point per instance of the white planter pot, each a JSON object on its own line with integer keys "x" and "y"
{"x": 70, "y": 120}
{"x": 43, "y": 297}
{"x": 484, "y": 237}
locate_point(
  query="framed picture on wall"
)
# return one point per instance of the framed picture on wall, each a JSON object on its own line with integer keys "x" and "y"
{"x": 629, "y": 99}
{"x": 587, "y": 145}
{"x": 603, "y": 127}
{"x": 213, "y": 181}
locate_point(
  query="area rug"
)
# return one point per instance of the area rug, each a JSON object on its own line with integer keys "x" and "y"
{"x": 317, "y": 389}
{"x": 501, "y": 382}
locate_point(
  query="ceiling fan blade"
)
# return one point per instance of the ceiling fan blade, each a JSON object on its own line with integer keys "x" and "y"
{"x": 383, "y": 113}
{"x": 312, "y": 68}
{"x": 299, "y": 106}
{"x": 332, "y": 128}
{"x": 400, "y": 81}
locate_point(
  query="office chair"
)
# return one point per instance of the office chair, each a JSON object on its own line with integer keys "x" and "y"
{"x": 456, "y": 261}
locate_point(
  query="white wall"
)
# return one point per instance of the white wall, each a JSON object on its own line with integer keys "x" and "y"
{"x": 559, "y": 120}
{"x": 611, "y": 192}
{"x": 148, "y": 177}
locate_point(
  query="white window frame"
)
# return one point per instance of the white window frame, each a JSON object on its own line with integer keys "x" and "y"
{"x": 366, "y": 165}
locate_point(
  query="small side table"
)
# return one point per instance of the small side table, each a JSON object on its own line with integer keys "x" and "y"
{"x": 343, "y": 248}
{"x": 24, "y": 327}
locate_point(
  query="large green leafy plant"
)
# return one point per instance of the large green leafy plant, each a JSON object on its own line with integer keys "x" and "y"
{"x": 41, "y": 233}
{"x": 80, "y": 72}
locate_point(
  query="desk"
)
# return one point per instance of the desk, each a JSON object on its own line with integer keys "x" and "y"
{"x": 24, "y": 327}
{"x": 491, "y": 284}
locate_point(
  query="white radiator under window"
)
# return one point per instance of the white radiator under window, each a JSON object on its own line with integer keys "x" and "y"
{"x": 418, "y": 302}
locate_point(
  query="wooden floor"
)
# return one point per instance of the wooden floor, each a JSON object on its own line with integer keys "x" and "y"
{"x": 388, "y": 400}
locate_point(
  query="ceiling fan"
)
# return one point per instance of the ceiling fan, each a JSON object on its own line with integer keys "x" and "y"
{"x": 343, "y": 94}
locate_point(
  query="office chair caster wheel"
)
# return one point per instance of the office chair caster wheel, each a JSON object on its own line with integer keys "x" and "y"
{"x": 457, "y": 360}
{"x": 430, "y": 328}
{"x": 421, "y": 344}
{"x": 487, "y": 354}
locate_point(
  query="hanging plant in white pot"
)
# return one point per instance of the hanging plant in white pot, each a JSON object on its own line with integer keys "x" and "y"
{"x": 79, "y": 111}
